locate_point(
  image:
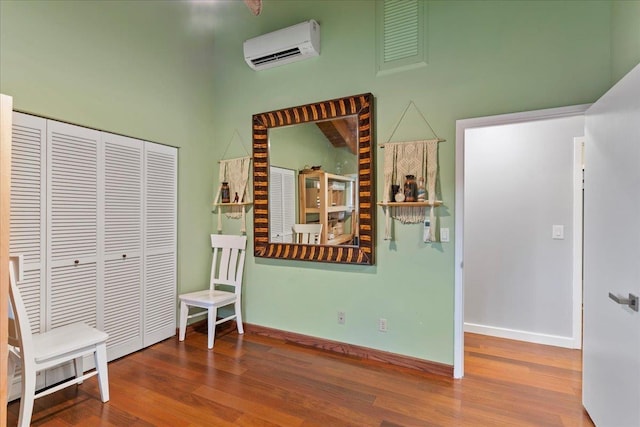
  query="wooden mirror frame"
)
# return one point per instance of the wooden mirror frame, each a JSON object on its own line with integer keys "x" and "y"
{"x": 362, "y": 107}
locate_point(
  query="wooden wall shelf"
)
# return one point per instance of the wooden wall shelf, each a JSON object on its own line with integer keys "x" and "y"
{"x": 409, "y": 204}
{"x": 234, "y": 204}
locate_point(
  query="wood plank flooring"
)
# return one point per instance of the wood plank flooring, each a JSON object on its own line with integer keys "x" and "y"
{"x": 258, "y": 381}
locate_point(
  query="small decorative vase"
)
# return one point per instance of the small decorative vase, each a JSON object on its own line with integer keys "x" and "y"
{"x": 399, "y": 197}
{"x": 410, "y": 189}
{"x": 421, "y": 190}
{"x": 394, "y": 190}
{"x": 224, "y": 189}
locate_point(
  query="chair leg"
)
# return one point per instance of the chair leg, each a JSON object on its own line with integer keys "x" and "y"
{"x": 103, "y": 373}
{"x": 211, "y": 320}
{"x": 184, "y": 315}
{"x": 238, "y": 310}
{"x": 14, "y": 362}
{"x": 28, "y": 396}
{"x": 79, "y": 366}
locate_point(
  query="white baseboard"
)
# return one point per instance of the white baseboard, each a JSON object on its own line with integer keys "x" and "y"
{"x": 512, "y": 334}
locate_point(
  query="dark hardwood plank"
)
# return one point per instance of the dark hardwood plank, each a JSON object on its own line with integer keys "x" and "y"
{"x": 255, "y": 380}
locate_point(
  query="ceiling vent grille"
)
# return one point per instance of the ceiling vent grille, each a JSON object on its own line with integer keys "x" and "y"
{"x": 401, "y": 30}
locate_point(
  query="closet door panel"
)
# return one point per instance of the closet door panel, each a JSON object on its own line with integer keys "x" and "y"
{"x": 72, "y": 223}
{"x": 28, "y": 200}
{"x": 160, "y": 297}
{"x": 123, "y": 195}
{"x": 73, "y": 295}
{"x": 123, "y": 233}
{"x": 160, "y": 243}
{"x": 123, "y": 306}
{"x": 73, "y": 180}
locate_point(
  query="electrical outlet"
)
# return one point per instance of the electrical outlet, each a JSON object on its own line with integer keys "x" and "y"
{"x": 341, "y": 317}
{"x": 382, "y": 325}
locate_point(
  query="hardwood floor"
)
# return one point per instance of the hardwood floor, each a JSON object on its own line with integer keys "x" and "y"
{"x": 252, "y": 380}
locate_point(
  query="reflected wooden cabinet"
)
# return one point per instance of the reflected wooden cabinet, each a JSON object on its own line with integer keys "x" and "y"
{"x": 329, "y": 199}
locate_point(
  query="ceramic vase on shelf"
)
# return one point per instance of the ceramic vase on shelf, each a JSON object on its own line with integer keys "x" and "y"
{"x": 399, "y": 196}
{"x": 394, "y": 190}
{"x": 421, "y": 191}
{"x": 224, "y": 190}
{"x": 410, "y": 189}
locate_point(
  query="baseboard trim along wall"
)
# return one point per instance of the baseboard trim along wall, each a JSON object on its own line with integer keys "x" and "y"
{"x": 354, "y": 351}
{"x": 349, "y": 350}
{"x": 513, "y": 334}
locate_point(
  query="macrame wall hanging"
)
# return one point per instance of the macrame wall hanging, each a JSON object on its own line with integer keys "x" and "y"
{"x": 403, "y": 160}
{"x": 233, "y": 190}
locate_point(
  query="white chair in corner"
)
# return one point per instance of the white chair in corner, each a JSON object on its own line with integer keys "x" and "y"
{"x": 35, "y": 352}
{"x": 225, "y": 286}
{"x": 308, "y": 234}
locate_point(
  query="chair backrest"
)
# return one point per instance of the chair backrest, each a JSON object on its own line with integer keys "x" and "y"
{"x": 20, "y": 335}
{"x": 308, "y": 234}
{"x": 227, "y": 264}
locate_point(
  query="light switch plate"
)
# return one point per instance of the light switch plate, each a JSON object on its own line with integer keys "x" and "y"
{"x": 444, "y": 235}
{"x": 557, "y": 232}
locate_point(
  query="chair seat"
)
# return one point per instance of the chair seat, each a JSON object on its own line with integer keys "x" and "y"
{"x": 209, "y": 298}
{"x": 66, "y": 339}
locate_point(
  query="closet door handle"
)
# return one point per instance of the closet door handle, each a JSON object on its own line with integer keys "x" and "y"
{"x": 76, "y": 262}
{"x": 124, "y": 255}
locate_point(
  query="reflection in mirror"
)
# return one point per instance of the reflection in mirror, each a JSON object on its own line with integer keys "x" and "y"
{"x": 313, "y": 165}
{"x": 323, "y": 155}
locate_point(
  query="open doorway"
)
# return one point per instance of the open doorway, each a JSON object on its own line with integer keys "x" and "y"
{"x": 516, "y": 229}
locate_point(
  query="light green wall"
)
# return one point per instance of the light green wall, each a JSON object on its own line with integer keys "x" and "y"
{"x": 625, "y": 40}
{"x": 154, "y": 70}
{"x": 295, "y": 147}
{"x": 135, "y": 68}
{"x": 484, "y": 58}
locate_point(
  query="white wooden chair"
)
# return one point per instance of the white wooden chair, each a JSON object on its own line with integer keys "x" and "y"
{"x": 39, "y": 351}
{"x": 225, "y": 286}
{"x": 308, "y": 234}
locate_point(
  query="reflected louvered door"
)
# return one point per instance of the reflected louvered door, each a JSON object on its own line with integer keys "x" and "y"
{"x": 72, "y": 222}
{"x": 288, "y": 204}
{"x": 276, "y": 219}
{"x": 122, "y": 254}
{"x": 27, "y": 219}
{"x": 282, "y": 205}
{"x": 160, "y": 170}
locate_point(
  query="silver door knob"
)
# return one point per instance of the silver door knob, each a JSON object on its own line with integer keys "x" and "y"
{"x": 633, "y": 301}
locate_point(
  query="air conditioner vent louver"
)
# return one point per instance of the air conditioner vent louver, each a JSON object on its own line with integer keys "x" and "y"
{"x": 291, "y": 44}
{"x": 276, "y": 56}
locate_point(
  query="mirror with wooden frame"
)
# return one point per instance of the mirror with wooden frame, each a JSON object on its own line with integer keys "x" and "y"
{"x": 313, "y": 164}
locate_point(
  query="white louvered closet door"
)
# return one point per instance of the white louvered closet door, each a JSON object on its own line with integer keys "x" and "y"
{"x": 28, "y": 201}
{"x": 28, "y": 226}
{"x": 160, "y": 167}
{"x": 72, "y": 222}
{"x": 122, "y": 249}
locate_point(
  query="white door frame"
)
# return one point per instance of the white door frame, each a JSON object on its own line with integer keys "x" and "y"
{"x": 578, "y": 211}
{"x": 461, "y": 127}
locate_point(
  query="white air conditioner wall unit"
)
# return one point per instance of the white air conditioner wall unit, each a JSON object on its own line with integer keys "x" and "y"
{"x": 291, "y": 44}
